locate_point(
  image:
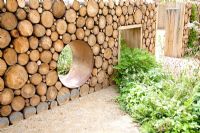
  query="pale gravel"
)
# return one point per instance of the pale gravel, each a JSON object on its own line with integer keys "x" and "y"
{"x": 95, "y": 113}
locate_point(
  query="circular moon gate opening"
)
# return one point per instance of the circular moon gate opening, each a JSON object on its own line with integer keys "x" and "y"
{"x": 81, "y": 67}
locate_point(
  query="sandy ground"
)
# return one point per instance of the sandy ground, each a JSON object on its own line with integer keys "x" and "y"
{"x": 94, "y": 113}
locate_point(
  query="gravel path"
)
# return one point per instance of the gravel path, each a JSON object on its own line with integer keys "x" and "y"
{"x": 94, "y": 113}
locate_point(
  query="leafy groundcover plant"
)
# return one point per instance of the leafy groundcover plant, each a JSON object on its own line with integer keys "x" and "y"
{"x": 155, "y": 99}
{"x": 65, "y": 61}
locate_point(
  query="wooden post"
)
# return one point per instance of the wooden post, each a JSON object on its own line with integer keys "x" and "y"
{"x": 174, "y": 31}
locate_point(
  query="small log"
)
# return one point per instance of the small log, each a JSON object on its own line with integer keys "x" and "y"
{"x": 35, "y": 100}
{"x": 115, "y": 34}
{"x": 96, "y": 49}
{"x": 53, "y": 65}
{"x": 11, "y": 5}
{"x": 47, "y": 4}
{"x": 66, "y": 38}
{"x": 29, "y": 111}
{"x": 44, "y": 68}
{"x": 43, "y": 106}
{"x": 122, "y": 20}
{"x": 45, "y": 42}
{"x": 39, "y": 30}
{"x": 17, "y": 92}
{"x": 58, "y": 45}
{"x": 130, "y": 9}
{"x": 25, "y": 28}
{"x": 51, "y": 78}
{"x": 34, "y": 4}
{"x": 4, "y": 38}
{"x": 43, "y": 98}
{"x": 111, "y": 42}
{"x": 41, "y": 89}
{"x": 21, "y": 3}
{"x": 46, "y": 56}
{"x": 105, "y": 11}
{"x": 1, "y": 84}
{"x": 101, "y": 4}
{"x": 96, "y": 30}
{"x": 70, "y": 16}
{"x": 109, "y": 19}
{"x": 105, "y": 65}
{"x": 118, "y": 11}
{"x": 54, "y": 36}
{"x": 108, "y": 53}
{"x": 51, "y": 93}
{"x": 92, "y": 8}
{"x": 98, "y": 61}
{"x": 55, "y": 56}
{"x": 21, "y": 14}
{"x": 92, "y": 40}
{"x": 6, "y": 96}
{"x": 102, "y": 22}
{"x": 76, "y": 5}
{"x": 94, "y": 71}
{"x": 130, "y": 19}
{"x": 53, "y": 104}
{"x": 14, "y": 33}
{"x": 80, "y": 33}
{"x": 28, "y": 91}
{"x": 18, "y": 103}
{"x": 138, "y": 16}
{"x": 63, "y": 96}
{"x": 84, "y": 90}
{"x": 10, "y": 56}
{"x": 34, "y": 16}
{"x": 101, "y": 76}
{"x": 80, "y": 22}
{"x": 100, "y": 38}
{"x": 6, "y": 110}
{"x": 58, "y": 85}
{"x": 109, "y": 30}
{"x": 124, "y": 10}
{"x": 23, "y": 59}
{"x": 89, "y": 23}
{"x": 8, "y": 21}
{"x": 98, "y": 87}
{"x": 83, "y": 11}
{"x": 21, "y": 44}
{"x": 110, "y": 69}
{"x": 36, "y": 79}
{"x": 58, "y": 8}
{"x": 71, "y": 28}
{"x": 32, "y": 67}
{"x": 74, "y": 94}
{"x": 34, "y": 55}
{"x": 61, "y": 26}
{"x": 47, "y": 19}
{"x": 15, "y": 117}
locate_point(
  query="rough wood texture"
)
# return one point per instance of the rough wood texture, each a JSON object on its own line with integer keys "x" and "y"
{"x": 28, "y": 91}
{"x": 18, "y": 103}
{"x": 8, "y": 21}
{"x": 4, "y": 38}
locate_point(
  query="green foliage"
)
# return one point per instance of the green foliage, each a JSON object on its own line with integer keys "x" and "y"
{"x": 156, "y": 100}
{"x": 193, "y": 46}
{"x": 65, "y": 61}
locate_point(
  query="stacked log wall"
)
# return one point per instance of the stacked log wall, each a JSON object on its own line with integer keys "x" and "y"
{"x": 33, "y": 34}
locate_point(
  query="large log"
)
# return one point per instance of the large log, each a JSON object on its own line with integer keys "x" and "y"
{"x": 6, "y": 96}
{"x": 83, "y": 11}
{"x": 58, "y": 8}
{"x": 4, "y": 38}
{"x": 25, "y": 28}
{"x": 51, "y": 78}
{"x": 61, "y": 26}
{"x": 21, "y": 44}
{"x": 8, "y": 21}
{"x": 47, "y": 19}
{"x": 138, "y": 16}
{"x": 18, "y": 103}
{"x": 11, "y": 5}
{"x": 28, "y": 91}
{"x": 23, "y": 59}
{"x": 70, "y": 16}
{"x": 41, "y": 89}
{"x": 34, "y": 16}
{"x": 92, "y": 8}
{"x": 10, "y": 56}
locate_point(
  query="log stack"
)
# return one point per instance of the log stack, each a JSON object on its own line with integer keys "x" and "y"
{"x": 33, "y": 34}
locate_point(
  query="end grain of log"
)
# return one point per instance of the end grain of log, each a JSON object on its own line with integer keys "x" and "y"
{"x": 10, "y": 56}
{"x": 6, "y": 96}
{"x": 23, "y": 59}
{"x": 8, "y": 21}
{"x": 18, "y": 103}
{"x": 4, "y": 38}
{"x": 41, "y": 89}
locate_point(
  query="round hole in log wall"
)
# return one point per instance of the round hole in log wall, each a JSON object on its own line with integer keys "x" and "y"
{"x": 79, "y": 68}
